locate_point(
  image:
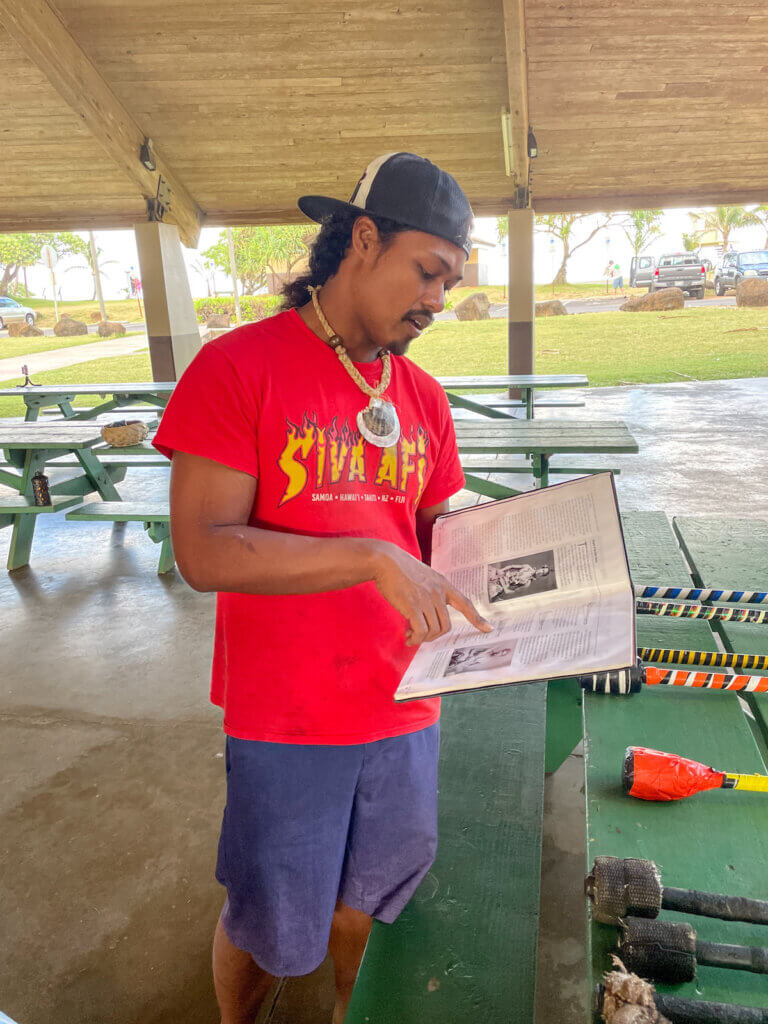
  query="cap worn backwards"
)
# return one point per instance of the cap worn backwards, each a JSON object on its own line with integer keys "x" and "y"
{"x": 410, "y": 190}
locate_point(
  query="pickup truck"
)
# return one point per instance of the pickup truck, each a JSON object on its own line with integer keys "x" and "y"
{"x": 641, "y": 271}
{"x": 736, "y": 266}
{"x": 680, "y": 270}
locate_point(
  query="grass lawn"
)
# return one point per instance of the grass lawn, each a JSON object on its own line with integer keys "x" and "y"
{"x": 10, "y": 347}
{"x": 610, "y": 348}
{"x": 116, "y": 369}
{"x": 81, "y": 309}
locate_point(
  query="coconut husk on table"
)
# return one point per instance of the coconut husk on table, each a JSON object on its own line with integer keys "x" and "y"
{"x": 123, "y": 433}
{"x": 628, "y": 999}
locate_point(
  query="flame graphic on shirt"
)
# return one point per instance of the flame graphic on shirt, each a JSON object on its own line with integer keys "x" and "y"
{"x": 340, "y": 458}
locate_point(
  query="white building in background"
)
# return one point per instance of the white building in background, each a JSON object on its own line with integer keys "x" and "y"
{"x": 480, "y": 268}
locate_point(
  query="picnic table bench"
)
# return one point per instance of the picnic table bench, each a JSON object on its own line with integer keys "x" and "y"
{"x": 487, "y": 447}
{"x": 155, "y": 515}
{"x": 525, "y": 383}
{"x": 29, "y": 447}
{"x": 40, "y": 396}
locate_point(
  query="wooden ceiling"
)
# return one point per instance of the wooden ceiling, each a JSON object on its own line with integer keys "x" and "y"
{"x": 251, "y": 103}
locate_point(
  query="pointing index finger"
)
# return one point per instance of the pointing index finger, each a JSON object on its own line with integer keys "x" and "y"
{"x": 462, "y": 604}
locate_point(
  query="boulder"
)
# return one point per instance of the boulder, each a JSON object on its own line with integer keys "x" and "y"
{"x": 16, "y": 329}
{"x": 68, "y": 328}
{"x": 110, "y": 329}
{"x": 32, "y": 332}
{"x": 753, "y": 291}
{"x": 666, "y": 298}
{"x": 218, "y": 320}
{"x": 552, "y": 307}
{"x": 215, "y": 332}
{"x": 475, "y": 307}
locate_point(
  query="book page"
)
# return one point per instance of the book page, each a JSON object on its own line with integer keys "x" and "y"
{"x": 548, "y": 569}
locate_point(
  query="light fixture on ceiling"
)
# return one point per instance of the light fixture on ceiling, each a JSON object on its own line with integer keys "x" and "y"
{"x": 146, "y": 155}
{"x": 533, "y": 149}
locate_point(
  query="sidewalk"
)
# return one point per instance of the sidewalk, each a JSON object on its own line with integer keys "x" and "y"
{"x": 56, "y": 358}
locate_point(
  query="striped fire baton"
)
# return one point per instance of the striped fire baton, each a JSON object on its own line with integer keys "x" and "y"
{"x": 631, "y": 680}
{"x": 703, "y": 594}
{"x": 710, "y": 659}
{"x": 701, "y": 611}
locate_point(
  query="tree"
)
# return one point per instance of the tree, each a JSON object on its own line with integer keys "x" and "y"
{"x": 261, "y": 250}
{"x": 761, "y": 213}
{"x": 89, "y": 264}
{"x": 561, "y": 225}
{"x": 23, "y": 250}
{"x": 721, "y": 221}
{"x": 640, "y": 226}
{"x": 691, "y": 242}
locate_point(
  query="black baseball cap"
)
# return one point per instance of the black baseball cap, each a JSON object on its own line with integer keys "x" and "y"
{"x": 410, "y": 190}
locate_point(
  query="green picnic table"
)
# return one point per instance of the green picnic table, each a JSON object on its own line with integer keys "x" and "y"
{"x": 525, "y": 383}
{"x": 487, "y": 447}
{"x": 716, "y": 841}
{"x": 28, "y": 448}
{"x": 39, "y": 396}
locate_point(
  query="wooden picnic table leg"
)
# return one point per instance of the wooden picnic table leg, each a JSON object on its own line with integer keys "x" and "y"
{"x": 161, "y": 533}
{"x": 24, "y": 523}
{"x": 460, "y": 402}
{"x": 564, "y": 721}
{"x": 528, "y": 403}
{"x": 98, "y": 475}
{"x": 94, "y": 411}
{"x": 66, "y": 409}
{"x": 540, "y": 469}
{"x": 489, "y": 488}
{"x": 33, "y": 410}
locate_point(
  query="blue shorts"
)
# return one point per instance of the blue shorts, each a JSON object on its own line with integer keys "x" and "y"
{"x": 305, "y": 826}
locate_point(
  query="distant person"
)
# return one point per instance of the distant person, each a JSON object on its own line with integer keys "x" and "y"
{"x": 618, "y": 279}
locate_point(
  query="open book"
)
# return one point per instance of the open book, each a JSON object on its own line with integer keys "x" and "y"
{"x": 549, "y": 570}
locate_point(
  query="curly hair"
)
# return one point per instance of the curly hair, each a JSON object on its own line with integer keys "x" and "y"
{"x": 329, "y": 249}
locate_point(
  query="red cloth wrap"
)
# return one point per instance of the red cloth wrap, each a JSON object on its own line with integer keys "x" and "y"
{"x": 660, "y": 776}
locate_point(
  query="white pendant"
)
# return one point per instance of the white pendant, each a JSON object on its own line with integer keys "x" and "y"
{"x": 378, "y": 423}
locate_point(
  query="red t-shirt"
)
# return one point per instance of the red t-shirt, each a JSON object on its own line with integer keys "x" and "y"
{"x": 272, "y": 400}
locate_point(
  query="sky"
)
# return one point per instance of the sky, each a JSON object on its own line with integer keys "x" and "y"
{"x": 118, "y": 257}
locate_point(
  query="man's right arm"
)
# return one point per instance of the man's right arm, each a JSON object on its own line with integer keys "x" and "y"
{"x": 216, "y": 550}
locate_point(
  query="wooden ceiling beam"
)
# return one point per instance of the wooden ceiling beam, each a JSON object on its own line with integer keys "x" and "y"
{"x": 517, "y": 86}
{"x": 40, "y": 32}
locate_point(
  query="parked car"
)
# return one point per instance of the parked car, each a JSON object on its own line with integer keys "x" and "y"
{"x": 641, "y": 271}
{"x": 680, "y": 270}
{"x": 12, "y": 311}
{"x": 735, "y": 266}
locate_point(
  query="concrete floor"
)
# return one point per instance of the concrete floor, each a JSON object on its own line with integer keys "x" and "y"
{"x": 113, "y": 772}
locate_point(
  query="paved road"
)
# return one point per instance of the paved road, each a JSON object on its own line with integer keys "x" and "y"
{"x": 56, "y": 358}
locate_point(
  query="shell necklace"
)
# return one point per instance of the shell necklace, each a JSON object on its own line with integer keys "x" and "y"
{"x": 377, "y": 422}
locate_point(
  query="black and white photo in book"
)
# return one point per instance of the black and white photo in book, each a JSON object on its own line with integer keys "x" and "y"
{"x": 518, "y": 577}
{"x": 481, "y": 658}
{"x": 548, "y": 570}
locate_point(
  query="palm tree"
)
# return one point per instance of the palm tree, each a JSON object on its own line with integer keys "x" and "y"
{"x": 721, "y": 221}
{"x": 761, "y": 212}
{"x": 640, "y": 226}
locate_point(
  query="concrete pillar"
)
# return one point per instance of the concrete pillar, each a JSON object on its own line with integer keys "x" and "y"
{"x": 174, "y": 335}
{"x": 522, "y": 298}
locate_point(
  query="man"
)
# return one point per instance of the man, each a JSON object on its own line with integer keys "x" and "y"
{"x": 618, "y": 279}
{"x": 310, "y": 460}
